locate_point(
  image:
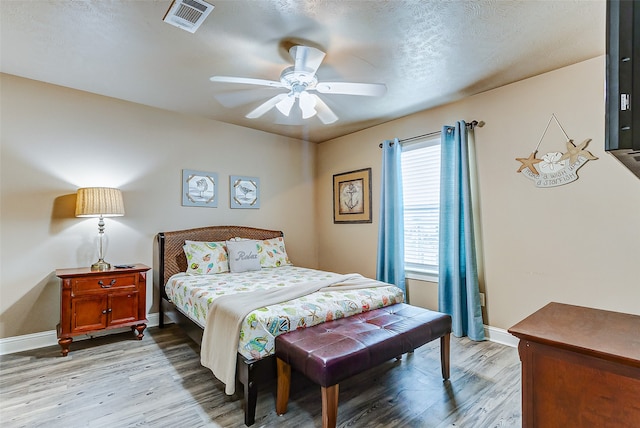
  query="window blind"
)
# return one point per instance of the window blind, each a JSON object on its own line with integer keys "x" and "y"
{"x": 421, "y": 197}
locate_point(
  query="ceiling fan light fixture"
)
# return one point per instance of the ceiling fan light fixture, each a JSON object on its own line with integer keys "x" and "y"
{"x": 265, "y": 107}
{"x": 284, "y": 106}
{"x": 307, "y": 105}
{"x": 307, "y": 113}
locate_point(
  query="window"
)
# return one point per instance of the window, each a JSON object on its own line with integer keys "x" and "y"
{"x": 421, "y": 193}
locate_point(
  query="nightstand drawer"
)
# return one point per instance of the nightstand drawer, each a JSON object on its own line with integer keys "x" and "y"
{"x": 100, "y": 284}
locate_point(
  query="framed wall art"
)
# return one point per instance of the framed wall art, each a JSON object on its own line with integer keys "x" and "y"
{"x": 199, "y": 189}
{"x": 244, "y": 191}
{"x": 352, "y": 197}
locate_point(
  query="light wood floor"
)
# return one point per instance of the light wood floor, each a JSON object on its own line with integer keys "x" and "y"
{"x": 116, "y": 381}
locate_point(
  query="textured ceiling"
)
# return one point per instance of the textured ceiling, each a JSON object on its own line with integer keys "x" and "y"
{"x": 427, "y": 52}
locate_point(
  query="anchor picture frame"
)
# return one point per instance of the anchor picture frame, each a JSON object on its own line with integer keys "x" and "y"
{"x": 352, "y": 196}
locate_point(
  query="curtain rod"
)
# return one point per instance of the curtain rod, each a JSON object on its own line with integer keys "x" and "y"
{"x": 471, "y": 125}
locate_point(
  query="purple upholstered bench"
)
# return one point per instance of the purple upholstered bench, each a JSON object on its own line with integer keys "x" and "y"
{"x": 331, "y": 352}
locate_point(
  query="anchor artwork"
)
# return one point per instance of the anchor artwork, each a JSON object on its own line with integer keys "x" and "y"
{"x": 352, "y": 197}
{"x": 555, "y": 168}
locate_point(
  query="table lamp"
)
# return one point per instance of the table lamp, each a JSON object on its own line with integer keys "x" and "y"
{"x": 99, "y": 202}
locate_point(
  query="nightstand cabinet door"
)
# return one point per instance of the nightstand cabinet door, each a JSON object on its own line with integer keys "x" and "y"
{"x": 91, "y": 301}
{"x": 88, "y": 313}
{"x": 122, "y": 308}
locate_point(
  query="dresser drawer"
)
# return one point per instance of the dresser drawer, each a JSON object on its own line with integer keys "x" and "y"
{"x": 100, "y": 284}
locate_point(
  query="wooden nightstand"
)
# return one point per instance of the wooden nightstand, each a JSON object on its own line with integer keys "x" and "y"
{"x": 92, "y": 301}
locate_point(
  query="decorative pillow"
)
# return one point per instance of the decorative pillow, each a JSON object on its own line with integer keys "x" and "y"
{"x": 272, "y": 253}
{"x": 206, "y": 258}
{"x": 243, "y": 256}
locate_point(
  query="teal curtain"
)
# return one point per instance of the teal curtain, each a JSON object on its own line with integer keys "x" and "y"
{"x": 390, "y": 260}
{"x": 458, "y": 291}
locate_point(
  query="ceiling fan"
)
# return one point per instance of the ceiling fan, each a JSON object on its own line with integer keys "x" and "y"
{"x": 301, "y": 82}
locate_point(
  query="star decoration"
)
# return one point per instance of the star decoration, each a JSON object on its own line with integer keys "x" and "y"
{"x": 529, "y": 163}
{"x": 574, "y": 151}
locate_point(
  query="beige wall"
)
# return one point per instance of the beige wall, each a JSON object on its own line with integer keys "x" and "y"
{"x": 55, "y": 140}
{"x": 577, "y": 244}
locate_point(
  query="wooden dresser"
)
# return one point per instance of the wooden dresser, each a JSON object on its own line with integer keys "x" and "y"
{"x": 580, "y": 367}
{"x": 92, "y": 301}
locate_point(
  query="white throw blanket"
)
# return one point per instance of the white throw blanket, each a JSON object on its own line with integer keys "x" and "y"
{"x": 219, "y": 348}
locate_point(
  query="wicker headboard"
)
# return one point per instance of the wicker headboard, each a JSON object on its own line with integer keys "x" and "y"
{"x": 170, "y": 258}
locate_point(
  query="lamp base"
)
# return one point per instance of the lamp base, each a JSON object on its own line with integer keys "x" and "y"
{"x": 100, "y": 265}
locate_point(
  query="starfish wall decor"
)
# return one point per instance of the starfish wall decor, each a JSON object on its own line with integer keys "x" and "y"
{"x": 555, "y": 168}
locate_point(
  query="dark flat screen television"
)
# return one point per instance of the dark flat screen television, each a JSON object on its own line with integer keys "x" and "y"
{"x": 622, "y": 121}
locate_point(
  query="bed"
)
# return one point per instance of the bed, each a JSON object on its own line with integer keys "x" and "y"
{"x": 186, "y": 298}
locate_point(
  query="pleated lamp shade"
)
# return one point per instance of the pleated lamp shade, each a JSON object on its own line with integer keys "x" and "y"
{"x": 99, "y": 201}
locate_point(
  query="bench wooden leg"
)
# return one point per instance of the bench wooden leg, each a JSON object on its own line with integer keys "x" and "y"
{"x": 284, "y": 382}
{"x": 444, "y": 355}
{"x": 329, "y": 406}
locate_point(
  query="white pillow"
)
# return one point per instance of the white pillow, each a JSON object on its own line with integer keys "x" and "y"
{"x": 243, "y": 256}
{"x": 272, "y": 253}
{"x": 206, "y": 258}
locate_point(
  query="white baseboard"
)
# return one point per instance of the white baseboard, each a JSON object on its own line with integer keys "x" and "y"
{"x": 49, "y": 338}
{"x": 499, "y": 335}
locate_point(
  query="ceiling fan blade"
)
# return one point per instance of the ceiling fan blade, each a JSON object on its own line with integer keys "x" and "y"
{"x": 306, "y": 58}
{"x": 235, "y": 98}
{"x": 349, "y": 88}
{"x": 325, "y": 114}
{"x": 246, "y": 80}
{"x": 266, "y": 106}
{"x": 284, "y": 106}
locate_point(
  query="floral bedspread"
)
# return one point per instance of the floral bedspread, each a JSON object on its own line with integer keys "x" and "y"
{"x": 193, "y": 294}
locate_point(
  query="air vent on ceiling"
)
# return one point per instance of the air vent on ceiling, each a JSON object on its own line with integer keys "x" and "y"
{"x": 187, "y": 14}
